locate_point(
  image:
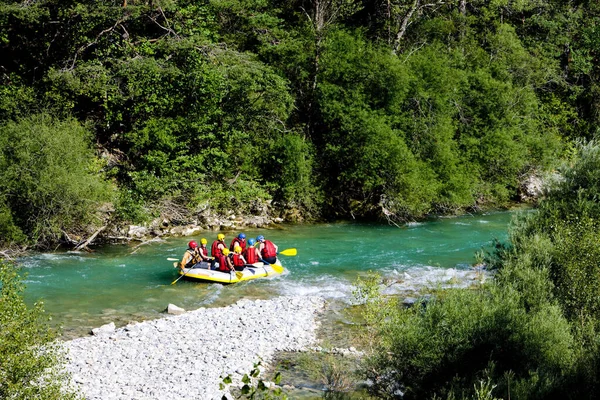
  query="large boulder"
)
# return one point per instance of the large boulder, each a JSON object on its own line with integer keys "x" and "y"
{"x": 174, "y": 310}
{"x": 104, "y": 330}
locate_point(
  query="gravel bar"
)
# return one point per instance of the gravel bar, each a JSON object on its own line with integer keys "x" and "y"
{"x": 185, "y": 356}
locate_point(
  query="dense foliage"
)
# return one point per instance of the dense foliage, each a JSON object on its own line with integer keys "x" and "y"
{"x": 533, "y": 332}
{"x": 331, "y": 108}
{"x": 49, "y": 179}
{"x": 31, "y": 361}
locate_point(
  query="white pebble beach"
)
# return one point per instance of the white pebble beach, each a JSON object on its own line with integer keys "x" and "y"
{"x": 186, "y": 356}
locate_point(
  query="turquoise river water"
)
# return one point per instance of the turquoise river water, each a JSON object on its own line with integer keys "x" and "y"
{"x": 123, "y": 283}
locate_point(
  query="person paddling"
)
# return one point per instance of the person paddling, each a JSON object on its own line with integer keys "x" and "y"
{"x": 267, "y": 249}
{"x": 190, "y": 257}
{"x": 239, "y": 240}
{"x": 203, "y": 250}
{"x": 225, "y": 262}
{"x": 239, "y": 262}
{"x": 216, "y": 250}
{"x": 251, "y": 253}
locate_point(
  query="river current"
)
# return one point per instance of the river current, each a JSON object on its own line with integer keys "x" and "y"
{"x": 124, "y": 283}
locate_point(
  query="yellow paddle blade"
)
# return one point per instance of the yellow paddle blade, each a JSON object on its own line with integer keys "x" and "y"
{"x": 277, "y": 268}
{"x": 239, "y": 274}
{"x": 289, "y": 252}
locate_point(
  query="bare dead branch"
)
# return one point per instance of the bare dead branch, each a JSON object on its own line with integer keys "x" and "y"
{"x": 105, "y": 31}
{"x": 90, "y": 239}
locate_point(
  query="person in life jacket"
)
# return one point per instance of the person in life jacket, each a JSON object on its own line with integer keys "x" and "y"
{"x": 225, "y": 262}
{"x": 238, "y": 260}
{"x": 267, "y": 249}
{"x": 239, "y": 240}
{"x": 190, "y": 257}
{"x": 216, "y": 250}
{"x": 251, "y": 253}
{"x": 203, "y": 250}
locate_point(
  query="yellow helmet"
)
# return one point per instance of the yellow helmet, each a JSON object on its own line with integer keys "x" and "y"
{"x": 203, "y": 241}
{"x": 237, "y": 249}
{"x": 220, "y": 236}
{"x": 225, "y": 252}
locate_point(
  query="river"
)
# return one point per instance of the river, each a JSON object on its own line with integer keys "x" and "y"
{"x": 124, "y": 283}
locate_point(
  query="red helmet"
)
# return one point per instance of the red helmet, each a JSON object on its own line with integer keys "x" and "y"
{"x": 192, "y": 244}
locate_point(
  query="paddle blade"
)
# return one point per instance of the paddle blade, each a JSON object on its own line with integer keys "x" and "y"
{"x": 239, "y": 274}
{"x": 289, "y": 252}
{"x": 277, "y": 268}
{"x": 172, "y": 259}
{"x": 175, "y": 264}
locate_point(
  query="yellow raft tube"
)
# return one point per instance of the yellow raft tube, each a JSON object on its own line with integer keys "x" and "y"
{"x": 257, "y": 270}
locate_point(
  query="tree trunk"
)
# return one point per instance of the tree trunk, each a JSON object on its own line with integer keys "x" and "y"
{"x": 405, "y": 22}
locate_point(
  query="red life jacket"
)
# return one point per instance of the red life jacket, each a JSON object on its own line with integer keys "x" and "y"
{"x": 250, "y": 255}
{"x": 223, "y": 267}
{"x": 237, "y": 241}
{"x": 238, "y": 261}
{"x": 204, "y": 251}
{"x": 268, "y": 250}
{"x": 215, "y": 251}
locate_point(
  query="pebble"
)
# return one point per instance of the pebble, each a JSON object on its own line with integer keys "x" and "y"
{"x": 186, "y": 356}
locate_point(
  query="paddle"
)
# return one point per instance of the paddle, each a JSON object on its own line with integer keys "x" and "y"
{"x": 239, "y": 274}
{"x": 288, "y": 252}
{"x": 279, "y": 268}
{"x": 172, "y": 259}
{"x": 276, "y": 268}
{"x": 181, "y": 276}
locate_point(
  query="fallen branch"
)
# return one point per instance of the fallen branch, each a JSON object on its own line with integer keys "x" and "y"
{"x": 90, "y": 239}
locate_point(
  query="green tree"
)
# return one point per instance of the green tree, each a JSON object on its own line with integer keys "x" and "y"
{"x": 51, "y": 179}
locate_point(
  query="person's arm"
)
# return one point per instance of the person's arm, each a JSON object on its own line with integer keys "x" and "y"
{"x": 202, "y": 256}
{"x": 184, "y": 260}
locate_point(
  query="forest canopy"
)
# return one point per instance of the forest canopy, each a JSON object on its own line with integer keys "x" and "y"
{"x": 329, "y": 108}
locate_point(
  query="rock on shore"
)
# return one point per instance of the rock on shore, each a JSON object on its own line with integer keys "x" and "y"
{"x": 185, "y": 356}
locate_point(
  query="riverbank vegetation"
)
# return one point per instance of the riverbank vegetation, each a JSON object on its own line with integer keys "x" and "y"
{"x": 532, "y": 333}
{"x": 326, "y": 108}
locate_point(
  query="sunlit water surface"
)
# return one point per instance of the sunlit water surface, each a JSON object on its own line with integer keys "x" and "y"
{"x": 123, "y": 283}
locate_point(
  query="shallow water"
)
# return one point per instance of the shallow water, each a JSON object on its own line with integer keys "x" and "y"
{"x": 122, "y": 283}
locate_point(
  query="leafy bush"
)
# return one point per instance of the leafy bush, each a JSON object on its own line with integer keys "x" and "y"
{"x": 51, "y": 179}
{"x": 460, "y": 337}
{"x": 31, "y": 360}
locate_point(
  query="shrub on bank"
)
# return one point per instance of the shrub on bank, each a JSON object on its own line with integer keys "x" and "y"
{"x": 532, "y": 334}
{"x": 461, "y": 337}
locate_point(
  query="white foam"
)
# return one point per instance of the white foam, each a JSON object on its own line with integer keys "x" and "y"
{"x": 212, "y": 297}
{"x": 325, "y": 286}
{"x": 416, "y": 279}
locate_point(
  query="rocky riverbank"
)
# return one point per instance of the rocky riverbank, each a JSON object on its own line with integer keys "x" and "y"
{"x": 186, "y": 356}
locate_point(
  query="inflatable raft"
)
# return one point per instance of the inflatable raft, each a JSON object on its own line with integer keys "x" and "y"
{"x": 258, "y": 270}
